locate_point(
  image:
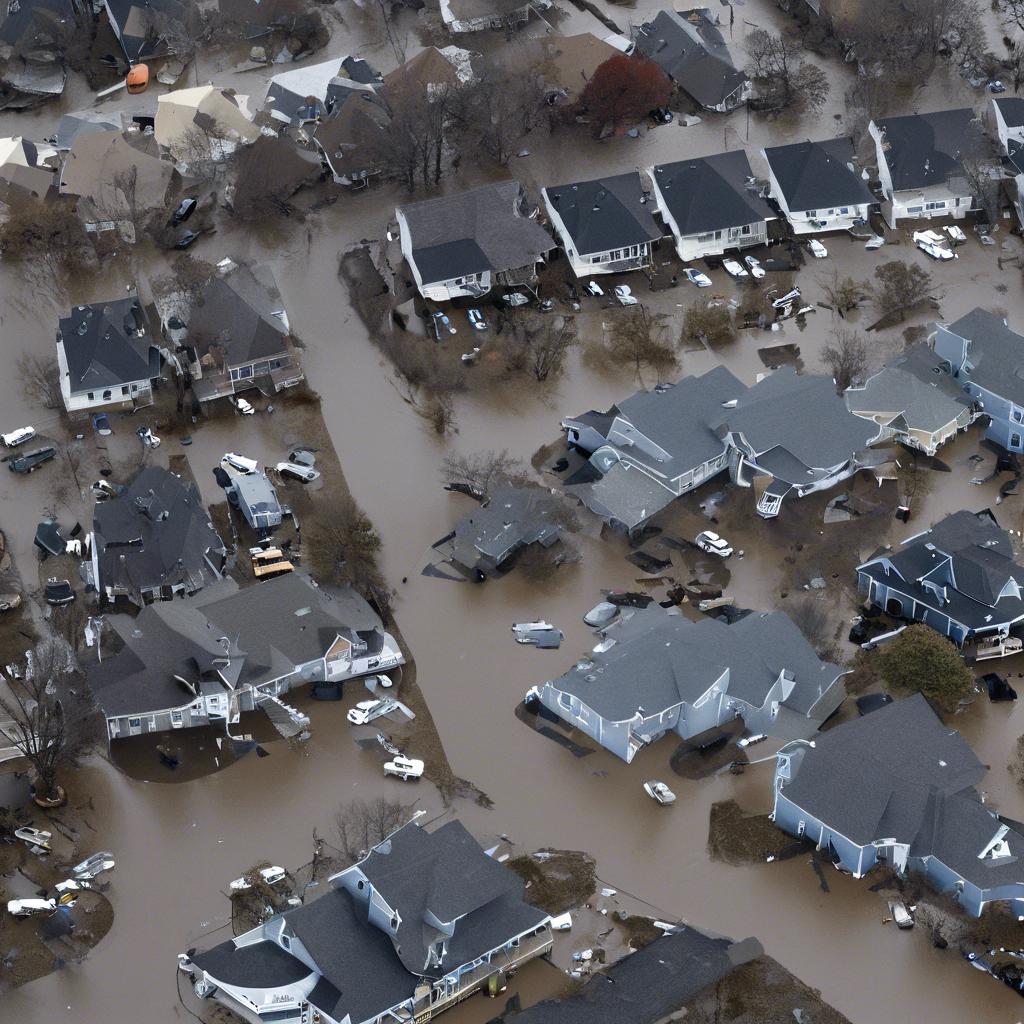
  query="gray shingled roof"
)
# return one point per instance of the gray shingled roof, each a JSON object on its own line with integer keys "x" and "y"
{"x": 108, "y": 344}
{"x": 925, "y": 149}
{"x": 512, "y": 517}
{"x": 801, "y": 421}
{"x": 1012, "y": 109}
{"x": 156, "y": 533}
{"x": 818, "y": 175}
{"x": 475, "y": 231}
{"x": 914, "y": 388}
{"x": 691, "y": 50}
{"x": 661, "y": 660}
{"x": 605, "y": 214}
{"x": 996, "y": 359}
{"x": 967, "y": 554}
{"x": 711, "y": 193}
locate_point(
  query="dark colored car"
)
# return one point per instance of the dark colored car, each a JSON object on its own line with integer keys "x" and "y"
{"x": 187, "y": 239}
{"x": 59, "y": 592}
{"x": 31, "y": 461}
{"x": 185, "y": 210}
{"x": 661, "y": 115}
{"x": 101, "y": 424}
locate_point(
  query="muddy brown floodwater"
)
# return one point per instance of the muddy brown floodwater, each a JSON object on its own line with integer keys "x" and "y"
{"x": 178, "y": 844}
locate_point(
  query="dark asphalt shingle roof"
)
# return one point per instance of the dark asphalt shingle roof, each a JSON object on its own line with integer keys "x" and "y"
{"x": 475, "y": 231}
{"x": 108, "y": 344}
{"x": 156, "y": 533}
{"x": 645, "y": 987}
{"x": 605, "y": 214}
{"x": 140, "y": 25}
{"x": 711, "y": 193}
{"x": 512, "y": 517}
{"x": 241, "y": 964}
{"x": 996, "y": 358}
{"x": 240, "y": 311}
{"x": 804, "y": 418}
{"x": 818, "y": 175}
{"x": 1012, "y": 109}
{"x": 691, "y": 50}
{"x": 926, "y": 149}
{"x": 914, "y": 387}
{"x": 661, "y": 660}
{"x": 900, "y": 773}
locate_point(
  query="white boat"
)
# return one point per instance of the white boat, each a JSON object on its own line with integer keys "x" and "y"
{"x": 19, "y": 436}
{"x": 271, "y": 876}
{"x": 404, "y": 768}
{"x": 818, "y": 251}
{"x": 93, "y": 866}
{"x": 36, "y": 838}
{"x": 956, "y": 235}
{"x": 734, "y": 269}
{"x": 238, "y": 464}
{"x": 900, "y": 914}
{"x": 754, "y": 264}
{"x": 25, "y": 908}
{"x": 659, "y": 792}
{"x": 522, "y": 628}
{"x": 562, "y": 922}
{"x": 624, "y": 295}
{"x": 367, "y": 711}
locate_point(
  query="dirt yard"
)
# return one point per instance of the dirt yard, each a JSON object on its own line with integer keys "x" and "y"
{"x": 736, "y": 837}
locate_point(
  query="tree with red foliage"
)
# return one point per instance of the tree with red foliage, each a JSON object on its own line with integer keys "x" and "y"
{"x": 623, "y": 90}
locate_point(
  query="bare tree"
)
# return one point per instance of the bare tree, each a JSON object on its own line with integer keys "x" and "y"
{"x": 548, "y": 341}
{"x": 638, "y": 338}
{"x": 847, "y": 357}
{"x": 51, "y": 714}
{"x": 415, "y": 142}
{"x": 479, "y": 473}
{"x": 342, "y": 547}
{"x": 811, "y": 617}
{"x": 362, "y": 824}
{"x": 844, "y": 294}
{"x": 39, "y": 377}
{"x": 982, "y": 176}
{"x": 188, "y": 277}
{"x": 47, "y": 236}
{"x": 708, "y": 323}
{"x": 784, "y": 77}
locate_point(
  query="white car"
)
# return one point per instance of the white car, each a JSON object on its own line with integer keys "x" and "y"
{"x": 659, "y": 792}
{"x": 404, "y": 768}
{"x": 697, "y": 277}
{"x": 713, "y": 544}
{"x": 19, "y": 436}
{"x": 304, "y": 473}
{"x": 756, "y": 270}
{"x": 244, "y": 407}
{"x": 734, "y": 269}
{"x": 623, "y": 294}
{"x": 818, "y": 251}
{"x": 601, "y": 614}
{"x": 26, "y": 908}
{"x": 148, "y": 438}
{"x": 593, "y": 288}
{"x": 367, "y": 711}
{"x": 271, "y": 876}
{"x": 931, "y": 244}
{"x": 514, "y": 299}
{"x": 238, "y": 465}
{"x": 956, "y": 235}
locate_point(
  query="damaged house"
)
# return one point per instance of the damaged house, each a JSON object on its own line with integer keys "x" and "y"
{"x": 154, "y": 541}
{"x": 915, "y": 400}
{"x": 959, "y": 578}
{"x": 423, "y": 921}
{"x": 237, "y": 336}
{"x": 148, "y": 29}
{"x": 690, "y": 49}
{"x": 986, "y": 358}
{"x": 664, "y": 673}
{"x": 106, "y": 356}
{"x": 34, "y": 38}
{"x": 207, "y": 658}
{"x": 464, "y": 245}
{"x": 204, "y": 125}
{"x": 478, "y": 15}
{"x": 897, "y": 788}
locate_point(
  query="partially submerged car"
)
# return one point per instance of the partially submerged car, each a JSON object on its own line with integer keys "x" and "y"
{"x": 404, "y": 768}
{"x": 31, "y": 461}
{"x": 367, "y": 711}
{"x": 103, "y": 489}
{"x": 19, "y": 436}
{"x": 93, "y": 865}
{"x": 28, "y": 907}
{"x": 58, "y": 592}
{"x": 624, "y": 295}
{"x": 713, "y": 544}
{"x": 697, "y": 277}
{"x": 37, "y": 839}
{"x": 659, "y": 792}
{"x": 101, "y": 424}
{"x": 933, "y": 244}
{"x": 661, "y": 115}
{"x": 244, "y": 408}
{"x": 515, "y": 299}
{"x": 593, "y": 288}
{"x": 734, "y": 269}
{"x": 601, "y": 614}
{"x": 900, "y": 914}
{"x": 956, "y": 235}
{"x": 476, "y": 320}
{"x": 185, "y": 210}
{"x": 304, "y": 473}
{"x": 148, "y": 438}
{"x": 818, "y": 251}
{"x": 754, "y": 265}
{"x": 442, "y": 325}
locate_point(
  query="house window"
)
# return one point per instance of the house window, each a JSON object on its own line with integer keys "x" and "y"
{"x": 124, "y": 389}
{"x": 176, "y": 719}
{"x": 134, "y": 723}
{"x": 844, "y": 209}
{"x": 597, "y": 259}
{"x": 801, "y": 828}
{"x": 91, "y": 396}
{"x": 285, "y": 941}
{"x": 1015, "y": 441}
{"x": 937, "y": 205}
{"x": 565, "y": 701}
{"x": 106, "y": 395}
{"x": 1017, "y": 415}
{"x": 812, "y": 214}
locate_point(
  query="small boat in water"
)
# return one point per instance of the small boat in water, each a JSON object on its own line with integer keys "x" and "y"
{"x": 660, "y": 792}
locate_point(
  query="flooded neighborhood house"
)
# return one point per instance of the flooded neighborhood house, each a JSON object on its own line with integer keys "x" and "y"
{"x": 959, "y": 577}
{"x": 207, "y": 658}
{"x": 662, "y": 443}
{"x": 154, "y": 541}
{"x": 107, "y": 356}
{"x": 663, "y": 673}
{"x": 897, "y": 788}
{"x": 424, "y": 920}
{"x": 34, "y": 38}
{"x": 466, "y": 244}
{"x": 981, "y": 352}
{"x": 915, "y": 400}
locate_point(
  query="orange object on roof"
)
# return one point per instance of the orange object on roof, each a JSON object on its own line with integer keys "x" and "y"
{"x": 138, "y": 78}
